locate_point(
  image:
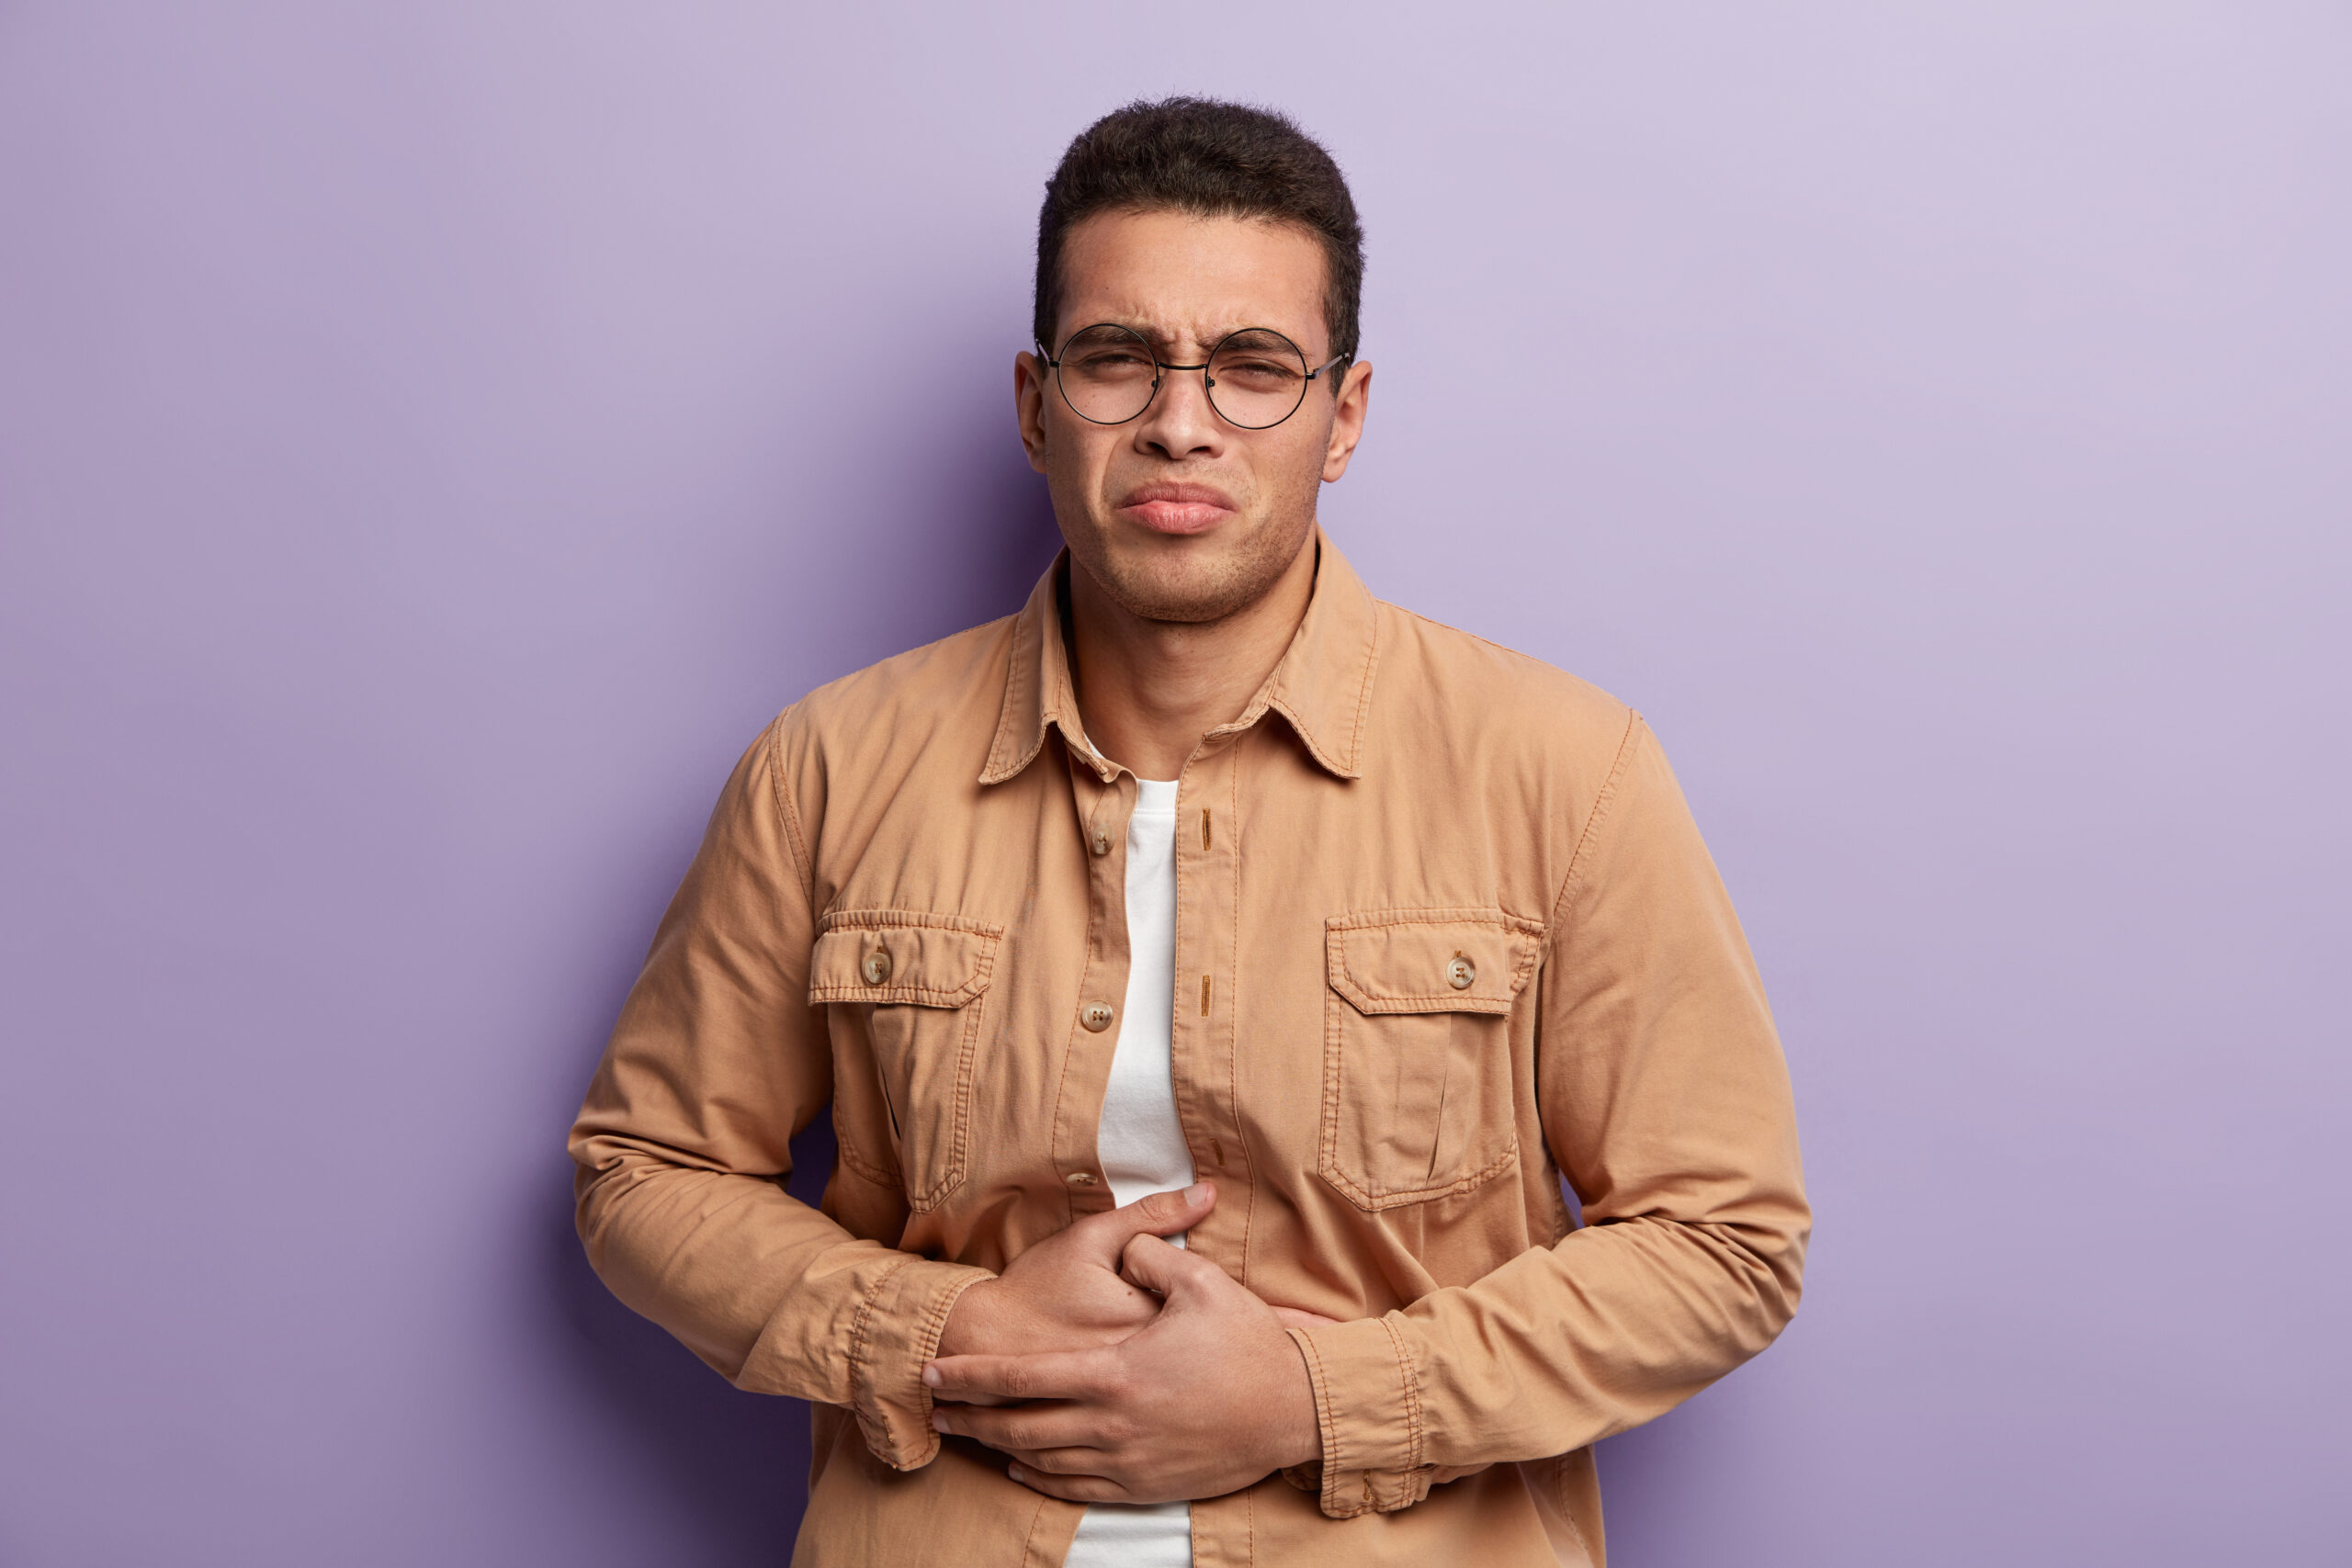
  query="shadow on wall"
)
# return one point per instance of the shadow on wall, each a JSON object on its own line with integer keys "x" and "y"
{"x": 732, "y": 1466}
{"x": 996, "y": 526}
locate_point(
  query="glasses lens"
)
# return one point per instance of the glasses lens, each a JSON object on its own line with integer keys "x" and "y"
{"x": 1106, "y": 373}
{"x": 1257, "y": 377}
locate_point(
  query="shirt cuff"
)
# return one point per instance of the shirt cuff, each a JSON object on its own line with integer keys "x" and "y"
{"x": 1368, "y": 1408}
{"x": 897, "y": 1330}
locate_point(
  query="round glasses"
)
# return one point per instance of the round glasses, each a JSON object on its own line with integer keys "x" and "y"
{"x": 1255, "y": 377}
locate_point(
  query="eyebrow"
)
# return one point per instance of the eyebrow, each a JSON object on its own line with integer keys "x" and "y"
{"x": 1162, "y": 344}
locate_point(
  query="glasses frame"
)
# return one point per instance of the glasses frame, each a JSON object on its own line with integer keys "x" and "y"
{"x": 1159, "y": 366}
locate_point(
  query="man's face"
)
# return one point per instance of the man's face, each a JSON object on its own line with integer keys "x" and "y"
{"x": 1180, "y": 515}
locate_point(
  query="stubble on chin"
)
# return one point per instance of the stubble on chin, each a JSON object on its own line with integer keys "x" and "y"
{"x": 1194, "y": 586}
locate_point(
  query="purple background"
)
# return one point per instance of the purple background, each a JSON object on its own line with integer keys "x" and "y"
{"x": 433, "y": 437}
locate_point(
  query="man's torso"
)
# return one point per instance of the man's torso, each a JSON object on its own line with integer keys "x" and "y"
{"x": 1365, "y": 863}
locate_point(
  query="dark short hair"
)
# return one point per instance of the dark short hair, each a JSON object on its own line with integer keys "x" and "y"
{"x": 1213, "y": 159}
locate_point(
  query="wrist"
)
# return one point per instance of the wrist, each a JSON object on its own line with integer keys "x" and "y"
{"x": 969, "y": 1328}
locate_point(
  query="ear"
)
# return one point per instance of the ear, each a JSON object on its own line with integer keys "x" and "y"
{"x": 1347, "y": 420}
{"x": 1029, "y": 405}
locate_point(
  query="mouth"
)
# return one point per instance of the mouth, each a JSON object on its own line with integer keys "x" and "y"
{"x": 1176, "y": 509}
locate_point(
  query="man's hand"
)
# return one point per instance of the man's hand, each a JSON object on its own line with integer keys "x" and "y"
{"x": 1064, "y": 1293}
{"x": 1208, "y": 1398}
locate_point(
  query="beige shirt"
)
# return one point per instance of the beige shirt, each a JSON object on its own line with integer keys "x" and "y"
{"x": 1445, "y": 932}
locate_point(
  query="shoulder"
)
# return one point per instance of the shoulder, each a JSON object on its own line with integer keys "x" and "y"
{"x": 916, "y": 726}
{"x": 1459, "y": 687}
{"x": 953, "y": 686}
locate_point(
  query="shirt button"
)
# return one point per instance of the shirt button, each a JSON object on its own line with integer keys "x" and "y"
{"x": 1101, "y": 842}
{"x": 1082, "y": 1179}
{"x": 876, "y": 967}
{"x": 1460, "y": 973}
{"x": 1097, "y": 1016}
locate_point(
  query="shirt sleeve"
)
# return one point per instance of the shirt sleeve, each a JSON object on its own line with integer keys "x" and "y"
{"x": 684, "y": 1140}
{"x": 1665, "y": 1101}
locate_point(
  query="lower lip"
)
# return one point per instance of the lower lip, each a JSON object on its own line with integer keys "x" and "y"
{"x": 1177, "y": 517}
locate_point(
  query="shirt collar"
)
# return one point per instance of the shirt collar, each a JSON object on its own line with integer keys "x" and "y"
{"x": 1321, "y": 686}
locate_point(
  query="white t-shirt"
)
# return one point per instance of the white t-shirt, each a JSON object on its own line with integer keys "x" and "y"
{"x": 1141, "y": 1142}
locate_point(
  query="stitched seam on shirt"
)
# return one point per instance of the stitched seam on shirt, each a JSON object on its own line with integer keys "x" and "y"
{"x": 1366, "y": 1198}
{"x": 1306, "y": 739}
{"x": 793, "y": 839}
{"x": 944, "y": 1183}
{"x": 1363, "y": 694}
{"x": 857, "y": 1363}
{"x": 935, "y": 1324}
{"x": 1462, "y": 1002}
{"x": 885, "y": 996}
{"x": 886, "y": 1179}
{"x": 1231, "y": 1018}
{"x": 1458, "y": 631}
{"x": 1600, "y": 805}
{"x": 799, "y": 845}
{"x": 1327, "y": 1153}
{"x": 1029, "y": 1541}
{"x": 1459, "y": 1002}
{"x": 901, "y": 996}
{"x": 1335, "y": 1020}
{"x": 1192, "y": 1123}
{"x": 903, "y": 919}
{"x": 1070, "y": 1040}
{"x": 1368, "y": 1002}
{"x": 1440, "y": 914}
{"x": 1328, "y": 1142}
{"x": 1412, "y": 1386}
{"x": 994, "y": 770}
{"x": 1030, "y": 1538}
{"x": 1332, "y": 1465}
{"x": 957, "y": 996}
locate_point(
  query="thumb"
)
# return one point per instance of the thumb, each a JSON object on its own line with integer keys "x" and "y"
{"x": 1160, "y": 1214}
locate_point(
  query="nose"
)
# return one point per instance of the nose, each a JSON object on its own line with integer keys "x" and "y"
{"x": 1179, "y": 423}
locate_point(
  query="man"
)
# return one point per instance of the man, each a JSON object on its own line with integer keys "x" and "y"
{"x": 1204, "y": 865}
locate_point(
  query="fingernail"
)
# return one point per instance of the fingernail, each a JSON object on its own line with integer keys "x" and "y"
{"x": 930, "y": 1377}
{"x": 1015, "y": 1472}
{"x": 1196, "y": 1194}
{"x": 938, "y": 1421}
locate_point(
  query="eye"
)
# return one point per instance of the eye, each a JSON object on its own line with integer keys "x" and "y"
{"x": 1108, "y": 361}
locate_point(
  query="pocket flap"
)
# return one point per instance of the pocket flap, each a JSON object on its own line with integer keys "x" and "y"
{"x": 1431, "y": 960}
{"x": 900, "y": 956}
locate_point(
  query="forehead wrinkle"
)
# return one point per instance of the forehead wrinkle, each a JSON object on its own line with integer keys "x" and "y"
{"x": 1198, "y": 337}
{"x": 1170, "y": 302}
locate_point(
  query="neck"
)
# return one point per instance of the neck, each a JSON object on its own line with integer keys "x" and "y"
{"x": 1148, "y": 690}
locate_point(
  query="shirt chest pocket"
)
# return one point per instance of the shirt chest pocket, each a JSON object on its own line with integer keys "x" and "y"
{"x": 912, "y": 988}
{"x": 1418, "y": 1100}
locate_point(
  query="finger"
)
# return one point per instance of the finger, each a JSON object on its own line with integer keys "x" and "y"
{"x": 978, "y": 1401}
{"x": 1061, "y": 1462}
{"x": 1157, "y": 1213}
{"x": 1155, "y": 1266}
{"x": 1023, "y": 1427}
{"x": 1299, "y": 1317}
{"x": 1058, "y": 1374}
{"x": 1076, "y": 1488}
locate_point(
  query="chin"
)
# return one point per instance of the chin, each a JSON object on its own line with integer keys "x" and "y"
{"x": 1206, "y": 583}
